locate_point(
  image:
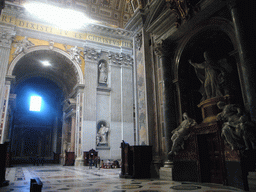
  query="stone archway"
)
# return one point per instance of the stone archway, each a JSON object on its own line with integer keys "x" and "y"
{"x": 216, "y": 35}
{"x": 64, "y": 72}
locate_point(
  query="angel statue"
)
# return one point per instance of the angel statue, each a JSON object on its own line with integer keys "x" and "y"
{"x": 75, "y": 54}
{"x": 237, "y": 130}
{"x": 22, "y": 45}
{"x": 181, "y": 133}
{"x": 213, "y": 76}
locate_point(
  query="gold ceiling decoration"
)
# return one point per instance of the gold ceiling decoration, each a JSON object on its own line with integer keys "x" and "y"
{"x": 183, "y": 10}
{"x": 114, "y": 13}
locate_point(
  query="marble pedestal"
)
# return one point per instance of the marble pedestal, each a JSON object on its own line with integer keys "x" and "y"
{"x": 165, "y": 173}
{"x": 79, "y": 161}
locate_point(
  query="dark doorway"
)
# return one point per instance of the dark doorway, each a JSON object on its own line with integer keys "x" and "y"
{"x": 210, "y": 158}
{"x": 36, "y": 134}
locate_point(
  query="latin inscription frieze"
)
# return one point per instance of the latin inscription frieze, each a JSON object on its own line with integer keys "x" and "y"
{"x": 53, "y": 30}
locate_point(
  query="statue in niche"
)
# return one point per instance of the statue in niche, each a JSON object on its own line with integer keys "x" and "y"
{"x": 102, "y": 135}
{"x": 181, "y": 133}
{"x": 103, "y": 73}
{"x": 22, "y": 45}
{"x": 237, "y": 130}
{"x": 213, "y": 76}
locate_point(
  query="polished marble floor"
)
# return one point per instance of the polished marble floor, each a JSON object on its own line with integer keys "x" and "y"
{"x": 82, "y": 179}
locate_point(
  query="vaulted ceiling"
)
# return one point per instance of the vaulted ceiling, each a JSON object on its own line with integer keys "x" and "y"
{"x": 114, "y": 13}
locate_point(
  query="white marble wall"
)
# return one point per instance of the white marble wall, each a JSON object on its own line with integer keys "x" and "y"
{"x": 112, "y": 103}
{"x": 90, "y": 95}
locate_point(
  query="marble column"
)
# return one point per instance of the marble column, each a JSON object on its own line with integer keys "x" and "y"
{"x": 6, "y": 37}
{"x": 169, "y": 117}
{"x": 245, "y": 44}
{"x": 79, "y": 124}
{"x": 73, "y": 133}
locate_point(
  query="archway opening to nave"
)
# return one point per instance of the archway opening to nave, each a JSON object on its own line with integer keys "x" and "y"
{"x": 37, "y": 133}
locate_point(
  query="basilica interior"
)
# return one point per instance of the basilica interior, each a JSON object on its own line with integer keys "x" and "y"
{"x": 127, "y": 95}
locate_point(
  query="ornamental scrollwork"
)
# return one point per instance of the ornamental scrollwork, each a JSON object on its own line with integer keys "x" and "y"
{"x": 138, "y": 41}
{"x": 120, "y": 58}
{"x": 91, "y": 53}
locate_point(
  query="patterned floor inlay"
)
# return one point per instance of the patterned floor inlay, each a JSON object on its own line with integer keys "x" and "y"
{"x": 185, "y": 187}
{"x": 57, "y": 178}
{"x": 128, "y": 186}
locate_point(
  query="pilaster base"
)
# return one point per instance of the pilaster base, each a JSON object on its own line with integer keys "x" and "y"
{"x": 165, "y": 173}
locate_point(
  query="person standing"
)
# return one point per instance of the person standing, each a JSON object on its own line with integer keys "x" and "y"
{"x": 90, "y": 163}
{"x": 98, "y": 162}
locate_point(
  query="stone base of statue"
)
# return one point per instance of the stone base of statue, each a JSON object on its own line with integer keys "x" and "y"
{"x": 79, "y": 161}
{"x": 210, "y": 109}
{"x": 165, "y": 172}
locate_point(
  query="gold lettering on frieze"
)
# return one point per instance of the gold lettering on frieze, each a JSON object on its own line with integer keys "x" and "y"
{"x": 53, "y": 30}
{"x": 127, "y": 44}
{"x": 104, "y": 40}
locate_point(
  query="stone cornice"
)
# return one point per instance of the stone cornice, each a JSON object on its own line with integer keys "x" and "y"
{"x": 158, "y": 28}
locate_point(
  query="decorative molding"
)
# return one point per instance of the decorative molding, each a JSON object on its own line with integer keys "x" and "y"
{"x": 51, "y": 44}
{"x": 91, "y": 53}
{"x": 127, "y": 59}
{"x": 103, "y": 89}
{"x": 138, "y": 41}
{"x": 161, "y": 49}
{"x": 6, "y": 37}
{"x": 120, "y": 58}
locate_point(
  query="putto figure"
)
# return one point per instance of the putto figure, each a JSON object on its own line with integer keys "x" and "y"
{"x": 181, "y": 133}
{"x": 22, "y": 45}
{"x": 75, "y": 54}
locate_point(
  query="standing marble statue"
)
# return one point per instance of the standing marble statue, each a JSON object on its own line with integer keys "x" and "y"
{"x": 103, "y": 73}
{"x": 210, "y": 75}
{"x": 181, "y": 133}
{"x": 102, "y": 134}
{"x": 237, "y": 130}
